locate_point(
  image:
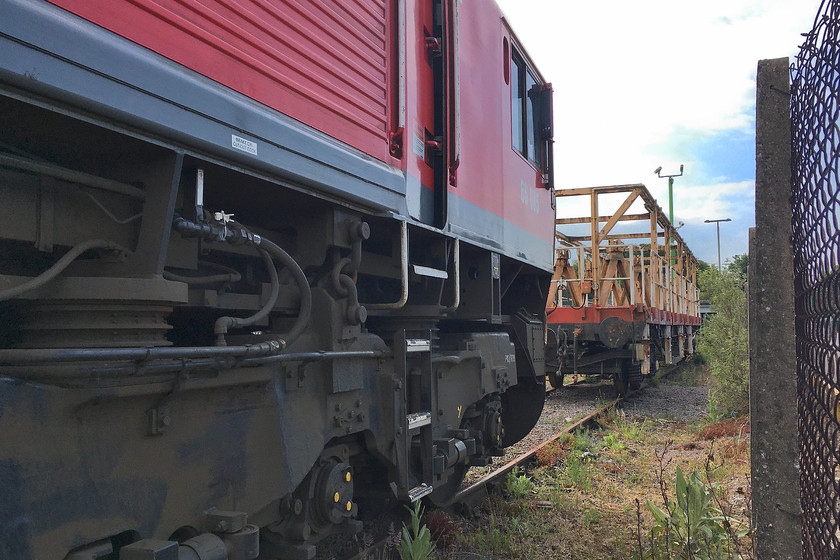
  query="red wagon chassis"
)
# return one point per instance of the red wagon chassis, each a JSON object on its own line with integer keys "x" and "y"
{"x": 631, "y": 314}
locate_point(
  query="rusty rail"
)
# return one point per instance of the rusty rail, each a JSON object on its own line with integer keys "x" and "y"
{"x": 466, "y": 494}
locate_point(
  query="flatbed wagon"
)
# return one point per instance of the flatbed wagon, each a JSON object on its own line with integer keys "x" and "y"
{"x": 623, "y": 297}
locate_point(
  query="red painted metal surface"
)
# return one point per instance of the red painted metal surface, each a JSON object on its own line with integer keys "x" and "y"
{"x": 419, "y": 84}
{"x": 334, "y": 66}
{"x": 591, "y": 314}
{"x": 487, "y": 153}
{"x": 325, "y": 63}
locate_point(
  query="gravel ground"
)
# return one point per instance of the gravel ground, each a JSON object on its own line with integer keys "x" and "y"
{"x": 565, "y": 406}
{"x": 676, "y": 401}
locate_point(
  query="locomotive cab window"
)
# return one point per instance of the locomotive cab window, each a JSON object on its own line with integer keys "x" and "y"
{"x": 528, "y": 123}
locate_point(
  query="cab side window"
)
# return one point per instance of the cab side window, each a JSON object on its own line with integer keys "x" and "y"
{"x": 517, "y": 104}
{"x": 525, "y": 110}
{"x": 532, "y": 112}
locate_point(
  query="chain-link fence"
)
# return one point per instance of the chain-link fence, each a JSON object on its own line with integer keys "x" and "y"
{"x": 815, "y": 117}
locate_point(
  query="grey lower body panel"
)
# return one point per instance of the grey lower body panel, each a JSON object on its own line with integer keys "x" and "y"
{"x": 485, "y": 228}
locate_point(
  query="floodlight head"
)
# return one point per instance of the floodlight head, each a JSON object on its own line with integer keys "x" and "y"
{"x": 681, "y": 168}
{"x": 657, "y": 170}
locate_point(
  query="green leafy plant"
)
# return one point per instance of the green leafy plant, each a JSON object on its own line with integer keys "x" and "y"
{"x": 583, "y": 440}
{"x": 576, "y": 473}
{"x": 591, "y": 517}
{"x": 416, "y": 544}
{"x": 691, "y": 525}
{"x": 627, "y": 429}
{"x": 713, "y": 414}
{"x": 490, "y": 541}
{"x": 497, "y": 540}
{"x": 611, "y": 441}
{"x": 518, "y": 486}
{"x": 722, "y": 340}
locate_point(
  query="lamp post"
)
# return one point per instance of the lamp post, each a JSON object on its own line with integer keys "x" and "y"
{"x": 658, "y": 172}
{"x": 717, "y": 225}
{"x": 672, "y": 251}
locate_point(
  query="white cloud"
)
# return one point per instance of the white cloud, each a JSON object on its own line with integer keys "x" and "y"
{"x": 635, "y": 82}
{"x": 627, "y": 75}
{"x": 721, "y": 200}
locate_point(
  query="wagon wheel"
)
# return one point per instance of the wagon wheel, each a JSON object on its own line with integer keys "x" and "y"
{"x": 621, "y": 382}
{"x": 553, "y": 360}
{"x": 555, "y": 378}
{"x": 630, "y": 378}
{"x": 634, "y": 375}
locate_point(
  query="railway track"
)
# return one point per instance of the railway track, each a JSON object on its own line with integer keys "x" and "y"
{"x": 475, "y": 491}
{"x": 478, "y": 490}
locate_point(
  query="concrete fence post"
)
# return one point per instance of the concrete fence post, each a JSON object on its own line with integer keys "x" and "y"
{"x": 773, "y": 410}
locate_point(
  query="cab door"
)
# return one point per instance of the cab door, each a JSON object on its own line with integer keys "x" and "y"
{"x": 432, "y": 103}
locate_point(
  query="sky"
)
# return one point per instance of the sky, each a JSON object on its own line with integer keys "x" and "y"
{"x": 650, "y": 83}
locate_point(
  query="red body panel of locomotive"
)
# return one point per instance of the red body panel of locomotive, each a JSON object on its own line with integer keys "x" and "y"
{"x": 337, "y": 69}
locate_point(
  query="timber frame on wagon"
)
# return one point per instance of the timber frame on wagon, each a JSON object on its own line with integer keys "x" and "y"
{"x": 621, "y": 299}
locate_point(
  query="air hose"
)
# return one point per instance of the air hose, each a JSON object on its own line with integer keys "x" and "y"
{"x": 59, "y": 267}
{"x": 236, "y": 234}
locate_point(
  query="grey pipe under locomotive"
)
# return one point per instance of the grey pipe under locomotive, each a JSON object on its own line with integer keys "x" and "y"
{"x": 224, "y": 334}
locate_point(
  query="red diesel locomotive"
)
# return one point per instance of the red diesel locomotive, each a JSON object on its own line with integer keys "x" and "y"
{"x": 263, "y": 266}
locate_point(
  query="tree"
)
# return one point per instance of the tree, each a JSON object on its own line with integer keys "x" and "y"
{"x": 737, "y": 265}
{"x": 723, "y": 338}
{"x": 702, "y": 267}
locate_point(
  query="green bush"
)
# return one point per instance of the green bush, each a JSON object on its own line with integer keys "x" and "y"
{"x": 723, "y": 339}
{"x": 691, "y": 526}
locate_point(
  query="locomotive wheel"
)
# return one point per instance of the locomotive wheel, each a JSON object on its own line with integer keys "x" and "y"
{"x": 333, "y": 501}
{"x": 522, "y": 405}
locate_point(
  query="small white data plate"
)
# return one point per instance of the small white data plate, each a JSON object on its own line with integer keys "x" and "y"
{"x": 243, "y": 144}
{"x": 418, "y": 420}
